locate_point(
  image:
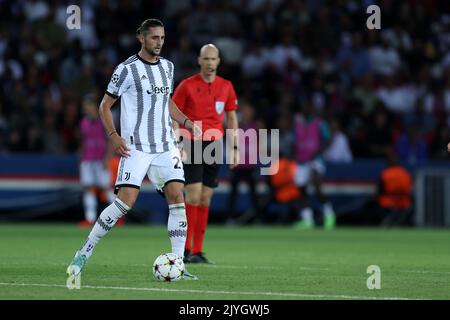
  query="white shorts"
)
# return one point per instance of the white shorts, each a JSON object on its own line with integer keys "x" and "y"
{"x": 303, "y": 172}
{"x": 94, "y": 174}
{"x": 159, "y": 167}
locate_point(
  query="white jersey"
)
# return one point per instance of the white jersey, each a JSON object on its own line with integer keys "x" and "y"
{"x": 144, "y": 89}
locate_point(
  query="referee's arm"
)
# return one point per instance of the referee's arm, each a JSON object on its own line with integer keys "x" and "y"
{"x": 179, "y": 117}
{"x": 232, "y": 124}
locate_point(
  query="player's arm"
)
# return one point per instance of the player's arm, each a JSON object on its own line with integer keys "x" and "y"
{"x": 232, "y": 125}
{"x": 181, "y": 118}
{"x": 118, "y": 143}
{"x": 231, "y": 106}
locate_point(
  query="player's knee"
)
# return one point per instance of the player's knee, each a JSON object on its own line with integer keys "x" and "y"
{"x": 193, "y": 199}
{"x": 205, "y": 201}
{"x": 174, "y": 196}
{"x": 173, "y": 192}
{"x": 129, "y": 198}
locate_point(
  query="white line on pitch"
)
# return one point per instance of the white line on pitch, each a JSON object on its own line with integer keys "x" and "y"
{"x": 425, "y": 271}
{"x": 222, "y": 266}
{"x": 219, "y": 266}
{"x": 279, "y": 294}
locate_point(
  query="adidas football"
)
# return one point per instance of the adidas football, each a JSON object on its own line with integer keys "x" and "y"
{"x": 168, "y": 267}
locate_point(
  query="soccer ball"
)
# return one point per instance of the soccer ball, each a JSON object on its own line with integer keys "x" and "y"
{"x": 168, "y": 267}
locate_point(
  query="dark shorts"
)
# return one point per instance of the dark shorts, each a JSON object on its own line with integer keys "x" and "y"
{"x": 206, "y": 173}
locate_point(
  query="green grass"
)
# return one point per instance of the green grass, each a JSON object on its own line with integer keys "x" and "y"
{"x": 251, "y": 263}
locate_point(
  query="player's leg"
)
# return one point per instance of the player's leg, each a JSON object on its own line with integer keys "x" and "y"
{"x": 197, "y": 255}
{"x": 301, "y": 179}
{"x": 103, "y": 181}
{"x": 132, "y": 171}
{"x": 210, "y": 181}
{"x": 305, "y": 212}
{"x": 90, "y": 206}
{"x": 176, "y": 224}
{"x": 193, "y": 188}
{"x": 232, "y": 205}
{"x": 113, "y": 167}
{"x": 251, "y": 177}
{"x": 87, "y": 179}
{"x": 167, "y": 174}
{"x": 327, "y": 208}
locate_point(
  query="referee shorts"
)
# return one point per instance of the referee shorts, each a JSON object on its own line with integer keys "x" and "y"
{"x": 206, "y": 173}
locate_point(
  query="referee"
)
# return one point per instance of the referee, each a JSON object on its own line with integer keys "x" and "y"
{"x": 205, "y": 97}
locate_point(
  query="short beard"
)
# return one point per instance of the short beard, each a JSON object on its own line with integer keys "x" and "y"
{"x": 151, "y": 52}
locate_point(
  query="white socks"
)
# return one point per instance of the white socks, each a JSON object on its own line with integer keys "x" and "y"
{"x": 90, "y": 206}
{"x": 328, "y": 209}
{"x": 105, "y": 222}
{"x": 307, "y": 215}
{"x": 177, "y": 227}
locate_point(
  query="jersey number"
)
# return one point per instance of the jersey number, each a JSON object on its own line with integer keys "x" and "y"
{"x": 177, "y": 165}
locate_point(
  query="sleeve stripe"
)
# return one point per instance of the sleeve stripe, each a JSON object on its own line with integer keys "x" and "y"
{"x": 122, "y": 77}
{"x": 111, "y": 94}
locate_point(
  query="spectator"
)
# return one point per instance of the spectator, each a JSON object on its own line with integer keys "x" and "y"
{"x": 379, "y": 135}
{"x": 312, "y": 137}
{"x": 339, "y": 149}
{"x": 411, "y": 147}
{"x": 384, "y": 59}
{"x": 354, "y": 58}
{"x": 305, "y": 49}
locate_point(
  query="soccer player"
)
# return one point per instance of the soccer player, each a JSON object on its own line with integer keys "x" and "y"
{"x": 312, "y": 137}
{"x": 94, "y": 174}
{"x": 147, "y": 142}
{"x": 205, "y": 97}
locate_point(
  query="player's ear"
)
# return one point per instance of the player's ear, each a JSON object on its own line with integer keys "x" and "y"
{"x": 140, "y": 37}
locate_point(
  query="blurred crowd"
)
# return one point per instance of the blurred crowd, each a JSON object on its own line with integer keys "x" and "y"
{"x": 379, "y": 90}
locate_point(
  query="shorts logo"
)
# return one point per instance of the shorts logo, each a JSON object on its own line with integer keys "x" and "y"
{"x": 219, "y": 106}
{"x": 127, "y": 176}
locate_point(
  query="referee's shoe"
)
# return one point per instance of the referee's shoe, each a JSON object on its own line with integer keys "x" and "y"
{"x": 198, "y": 258}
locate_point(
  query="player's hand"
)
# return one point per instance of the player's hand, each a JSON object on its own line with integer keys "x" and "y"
{"x": 234, "y": 158}
{"x": 448, "y": 147}
{"x": 120, "y": 145}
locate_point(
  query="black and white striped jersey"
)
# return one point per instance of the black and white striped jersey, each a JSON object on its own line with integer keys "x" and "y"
{"x": 144, "y": 89}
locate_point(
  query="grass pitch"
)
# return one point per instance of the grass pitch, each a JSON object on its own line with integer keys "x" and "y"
{"x": 251, "y": 263}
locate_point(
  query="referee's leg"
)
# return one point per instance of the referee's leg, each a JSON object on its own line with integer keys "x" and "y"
{"x": 193, "y": 187}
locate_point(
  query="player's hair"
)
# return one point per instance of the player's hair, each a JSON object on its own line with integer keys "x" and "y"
{"x": 147, "y": 24}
